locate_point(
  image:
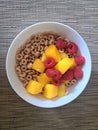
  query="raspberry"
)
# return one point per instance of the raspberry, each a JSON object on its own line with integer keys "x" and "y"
{"x": 57, "y": 82}
{"x": 78, "y": 73}
{"x": 72, "y": 48}
{"x": 60, "y": 44}
{"x": 68, "y": 75}
{"x": 49, "y": 62}
{"x": 55, "y": 74}
{"x": 50, "y": 73}
{"x": 79, "y": 60}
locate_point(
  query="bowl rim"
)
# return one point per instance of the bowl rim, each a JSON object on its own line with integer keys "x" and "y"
{"x": 39, "y": 23}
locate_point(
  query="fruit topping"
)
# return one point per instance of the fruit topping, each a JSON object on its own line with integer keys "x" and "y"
{"x": 60, "y": 44}
{"x": 78, "y": 73}
{"x": 53, "y": 52}
{"x": 56, "y": 82}
{"x": 68, "y": 75}
{"x": 52, "y": 73}
{"x": 79, "y": 60}
{"x": 49, "y": 62}
{"x": 72, "y": 48}
{"x": 65, "y": 64}
{"x": 50, "y": 91}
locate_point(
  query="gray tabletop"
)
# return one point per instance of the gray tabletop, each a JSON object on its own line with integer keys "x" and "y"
{"x": 82, "y": 113}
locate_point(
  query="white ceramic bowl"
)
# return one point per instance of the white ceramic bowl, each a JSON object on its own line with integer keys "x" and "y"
{"x": 39, "y": 100}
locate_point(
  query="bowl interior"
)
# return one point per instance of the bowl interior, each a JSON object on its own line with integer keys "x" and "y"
{"x": 39, "y": 100}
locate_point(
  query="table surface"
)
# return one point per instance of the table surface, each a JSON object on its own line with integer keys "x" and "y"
{"x": 82, "y": 113}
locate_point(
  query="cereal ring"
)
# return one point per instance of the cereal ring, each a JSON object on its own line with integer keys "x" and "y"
{"x": 42, "y": 41}
{"x": 73, "y": 81}
{"x": 19, "y": 56}
{"x": 23, "y": 62}
{"x": 28, "y": 77}
{"x": 51, "y": 41}
{"x": 36, "y": 38}
{"x": 18, "y": 70}
{"x": 50, "y": 37}
{"x": 68, "y": 84}
{"x": 23, "y": 68}
{"x": 26, "y": 50}
{"x": 22, "y": 79}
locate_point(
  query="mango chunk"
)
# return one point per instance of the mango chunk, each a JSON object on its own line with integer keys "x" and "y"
{"x": 34, "y": 87}
{"x": 62, "y": 90}
{"x": 38, "y": 65}
{"x": 65, "y": 64}
{"x": 50, "y": 91}
{"x": 43, "y": 57}
{"x": 63, "y": 55}
{"x": 53, "y": 52}
{"x": 43, "y": 79}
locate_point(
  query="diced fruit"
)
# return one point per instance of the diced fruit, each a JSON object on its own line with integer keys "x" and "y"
{"x": 52, "y": 51}
{"x": 52, "y": 73}
{"x": 43, "y": 79}
{"x": 68, "y": 75}
{"x": 60, "y": 44}
{"x": 78, "y": 73}
{"x": 79, "y": 60}
{"x": 72, "y": 48}
{"x": 50, "y": 91}
{"x": 63, "y": 55}
{"x": 65, "y": 64}
{"x": 34, "y": 87}
{"x": 49, "y": 62}
{"x": 62, "y": 90}
{"x": 43, "y": 57}
{"x": 38, "y": 65}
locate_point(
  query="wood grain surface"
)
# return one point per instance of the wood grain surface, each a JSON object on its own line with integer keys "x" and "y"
{"x": 82, "y": 113}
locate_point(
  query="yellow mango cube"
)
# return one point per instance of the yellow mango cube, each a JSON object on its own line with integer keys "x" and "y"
{"x": 34, "y": 87}
{"x": 62, "y": 90}
{"x": 65, "y": 64}
{"x": 63, "y": 55}
{"x": 38, "y": 65}
{"x": 43, "y": 57}
{"x": 50, "y": 91}
{"x": 43, "y": 79}
{"x": 53, "y": 52}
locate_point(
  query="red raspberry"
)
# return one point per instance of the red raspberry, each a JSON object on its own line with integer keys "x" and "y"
{"x": 49, "y": 62}
{"x": 68, "y": 75}
{"x": 55, "y": 74}
{"x": 60, "y": 44}
{"x": 72, "y": 48}
{"x": 50, "y": 73}
{"x": 57, "y": 82}
{"x": 79, "y": 60}
{"x": 78, "y": 73}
